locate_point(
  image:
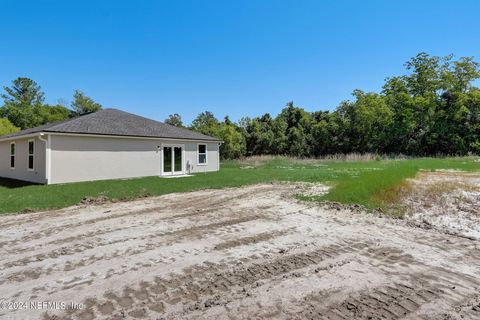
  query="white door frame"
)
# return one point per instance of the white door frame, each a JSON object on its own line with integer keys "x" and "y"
{"x": 171, "y": 173}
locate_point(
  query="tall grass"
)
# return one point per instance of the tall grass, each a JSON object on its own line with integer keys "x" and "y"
{"x": 355, "y": 157}
{"x": 348, "y": 157}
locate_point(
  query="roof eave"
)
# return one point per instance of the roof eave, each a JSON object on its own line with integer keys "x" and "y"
{"x": 35, "y": 134}
{"x": 129, "y": 136}
{"x": 22, "y": 136}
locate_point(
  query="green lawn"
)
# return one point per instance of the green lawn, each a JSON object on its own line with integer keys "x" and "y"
{"x": 353, "y": 182}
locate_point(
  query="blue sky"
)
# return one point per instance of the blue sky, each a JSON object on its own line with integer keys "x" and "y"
{"x": 241, "y": 58}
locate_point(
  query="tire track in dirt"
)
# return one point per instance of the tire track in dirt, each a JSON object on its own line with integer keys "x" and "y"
{"x": 469, "y": 250}
{"x": 220, "y": 202}
{"x": 212, "y": 209}
{"x": 192, "y": 232}
{"x": 228, "y": 256}
{"x": 406, "y": 295}
{"x": 167, "y": 237}
{"x": 389, "y": 302}
{"x": 204, "y": 286}
{"x": 110, "y": 230}
{"x": 78, "y": 210}
{"x": 36, "y": 273}
{"x": 251, "y": 240}
{"x": 467, "y": 309}
{"x": 106, "y": 231}
{"x": 208, "y": 196}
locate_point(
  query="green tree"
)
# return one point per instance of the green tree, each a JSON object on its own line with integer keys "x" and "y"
{"x": 174, "y": 120}
{"x": 84, "y": 104}
{"x": 298, "y": 130}
{"x": 259, "y": 135}
{"x": 24, "y": 92}
{"x": 405, "y": 119}
{"x": 6, "y": 127}
{"x": 471, "y": 101}
{"x": 425, "y": 74}
{"x": 204, "y": 121}
{"x": 53, "y": 113}
{"x": 21, "y": 103}
{"x": 327, "y": 134}
{"x": 371, "y": 121}
{"x": 233, "y": 146}
{"x": 458, "y": 76}
{"x": 280, "y": 143}
{"x": 232, "y": 135}
{"x": 299, "y": 146}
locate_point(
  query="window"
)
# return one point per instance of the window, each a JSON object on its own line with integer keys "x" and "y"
{"x": 31, "y": 154}
{"x": 12, "y": 155}
{"x": 202, "y": 154}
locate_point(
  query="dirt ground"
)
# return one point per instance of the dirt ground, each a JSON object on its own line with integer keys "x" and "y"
{"x": 446, "y": 200}
{"x": 242, "y": 253}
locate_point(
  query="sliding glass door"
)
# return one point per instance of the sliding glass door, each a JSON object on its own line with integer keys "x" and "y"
{"x": 172, "y": 160}
{"x": 177, "y": 160}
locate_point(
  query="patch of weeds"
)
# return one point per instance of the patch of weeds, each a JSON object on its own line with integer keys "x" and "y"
{"x": 391, "y": 197}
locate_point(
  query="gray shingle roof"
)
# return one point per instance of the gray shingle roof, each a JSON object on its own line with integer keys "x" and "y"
{"x": 117, "y": 123}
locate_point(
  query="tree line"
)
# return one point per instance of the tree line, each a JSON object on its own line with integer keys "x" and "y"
{"x": 24, "y": 106}
{"x": 433, "y": 109}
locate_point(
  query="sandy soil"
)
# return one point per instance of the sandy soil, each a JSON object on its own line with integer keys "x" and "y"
{"x": 245, "y": 253}
{"x": 445, "y": 200}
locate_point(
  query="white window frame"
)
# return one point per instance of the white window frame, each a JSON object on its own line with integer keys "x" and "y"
{"x": 173, "y": 172}
{"x": 198, "y": 154}
{"x": 30, "y": 154}
{"x": 14, "y": 155}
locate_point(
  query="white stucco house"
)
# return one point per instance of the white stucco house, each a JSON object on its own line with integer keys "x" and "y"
{"x": 107, "y": 144}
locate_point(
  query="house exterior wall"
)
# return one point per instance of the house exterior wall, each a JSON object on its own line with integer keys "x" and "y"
{"x": 87, "y": 158}
{"x": 21, "y": 171}
{"x": 191, "y": 157}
